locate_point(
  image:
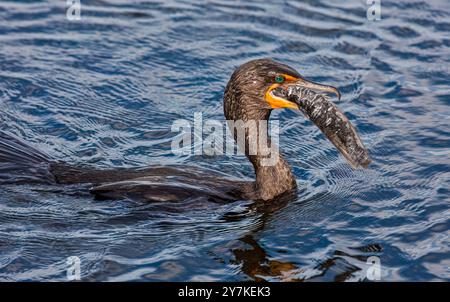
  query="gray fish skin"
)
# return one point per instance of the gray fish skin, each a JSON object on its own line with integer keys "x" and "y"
{"x": 331, "y": 121}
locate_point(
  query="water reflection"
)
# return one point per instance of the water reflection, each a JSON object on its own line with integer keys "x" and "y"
{"x": 104, "y": 92}
{"x": 255, "y": 262}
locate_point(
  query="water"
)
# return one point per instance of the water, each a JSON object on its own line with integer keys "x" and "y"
{"x": 105, "y": 90}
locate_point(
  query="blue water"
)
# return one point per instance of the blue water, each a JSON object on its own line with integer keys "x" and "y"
{"x": 105, "y": 90}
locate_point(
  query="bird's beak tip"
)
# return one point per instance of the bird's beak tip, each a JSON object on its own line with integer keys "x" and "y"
{"x": 336, "y": 91}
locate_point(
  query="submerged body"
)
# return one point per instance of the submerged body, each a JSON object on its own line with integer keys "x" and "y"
{"x": 254, "y": 90}
{"x": 23, "y": 164}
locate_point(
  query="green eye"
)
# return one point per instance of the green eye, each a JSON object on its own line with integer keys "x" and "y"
{"x": 279, "y": 79}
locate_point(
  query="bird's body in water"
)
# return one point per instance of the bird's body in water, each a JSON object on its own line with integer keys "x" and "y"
{"x": 253, "y": 91}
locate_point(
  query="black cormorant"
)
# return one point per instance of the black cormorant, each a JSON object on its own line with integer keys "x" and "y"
{"x": 254, "y": 90}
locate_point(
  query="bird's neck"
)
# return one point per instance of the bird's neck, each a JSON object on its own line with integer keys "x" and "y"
{"x": 273, "y": 174}
{"x": 272, "y": 180}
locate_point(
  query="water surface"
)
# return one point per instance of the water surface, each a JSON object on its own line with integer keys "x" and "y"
{"x": 105, "y": 90}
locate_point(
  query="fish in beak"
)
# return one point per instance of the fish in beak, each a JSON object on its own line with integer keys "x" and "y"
{"x": 325, "y": 115}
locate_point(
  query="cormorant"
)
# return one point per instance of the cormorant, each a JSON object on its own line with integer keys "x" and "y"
{"x": 253, "y": 91}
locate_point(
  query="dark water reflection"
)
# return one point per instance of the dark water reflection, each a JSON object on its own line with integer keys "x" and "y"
{"x": 105, "y": 91}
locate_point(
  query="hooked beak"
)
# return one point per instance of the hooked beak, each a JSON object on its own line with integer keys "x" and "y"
{"x": 316, "y": 86}
{"x": 325, "y": 115}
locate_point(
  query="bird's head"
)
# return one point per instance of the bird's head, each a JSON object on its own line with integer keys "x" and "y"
{"x": 259, "y": 86}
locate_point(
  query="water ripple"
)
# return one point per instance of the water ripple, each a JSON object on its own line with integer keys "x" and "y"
{"x": 105, "y": 91}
